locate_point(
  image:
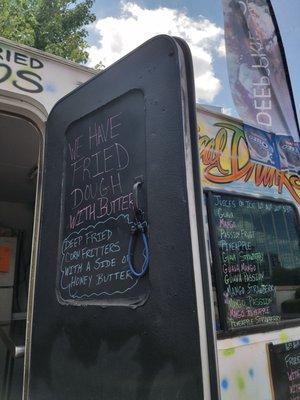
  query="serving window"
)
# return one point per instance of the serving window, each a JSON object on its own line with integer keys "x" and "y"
{"x": 255, "y": 248}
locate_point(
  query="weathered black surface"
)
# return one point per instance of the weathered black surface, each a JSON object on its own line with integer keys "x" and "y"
{"x": 104, "y": 155}
{"x": 150, "y": 352}
{"x": 240, "y": 228}
{"x": 285, "y": 368}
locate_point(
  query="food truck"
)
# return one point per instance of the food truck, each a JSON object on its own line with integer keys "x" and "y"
{"x": 31, "y": 82}
{"x": 253, "y": 223}
{"x": 143, "y": 253}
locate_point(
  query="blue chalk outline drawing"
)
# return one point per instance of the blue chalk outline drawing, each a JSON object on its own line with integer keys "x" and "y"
{"x": 76, "y": 233}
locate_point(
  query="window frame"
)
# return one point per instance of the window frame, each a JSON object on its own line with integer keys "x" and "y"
{"x": 225, "y": 332}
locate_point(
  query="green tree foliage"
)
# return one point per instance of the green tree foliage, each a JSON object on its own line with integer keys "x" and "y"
{"x": 56, "y": 26}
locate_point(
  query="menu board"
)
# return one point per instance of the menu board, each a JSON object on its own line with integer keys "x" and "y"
{"x": 104, "y": 154}
{"x": 285, "y": 368}
{"x": 240, "y": 236}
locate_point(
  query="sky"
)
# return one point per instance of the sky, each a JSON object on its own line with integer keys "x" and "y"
{"x": 121, "y": 26}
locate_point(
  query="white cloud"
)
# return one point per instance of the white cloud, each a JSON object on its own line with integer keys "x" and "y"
{"x": 135, "y": 25}
{"x": 222, "y": 48}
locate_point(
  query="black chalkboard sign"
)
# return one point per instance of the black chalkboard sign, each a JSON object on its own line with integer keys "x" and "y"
{"x": 285, "y": 368}
{"x": 104, "y": 154}
{"x": 244, "y": 252}
{"x": 134, "y": 112}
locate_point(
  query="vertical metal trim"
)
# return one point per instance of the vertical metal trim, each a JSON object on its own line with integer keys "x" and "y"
{"x": 33, "y": 268}
{"x": 204, "y": 354}
{"x": 204, "y": 266}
